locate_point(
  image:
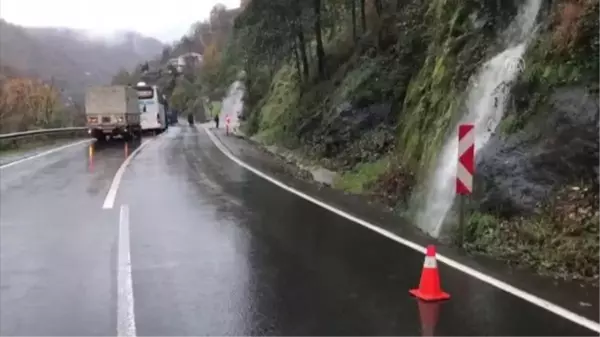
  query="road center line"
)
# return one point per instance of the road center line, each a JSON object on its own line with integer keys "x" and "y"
{"x": 125, "y": 308}
{"x": 45, "y": 153}
{"x": 109, "y": 201}
{"x": 540, "y": 302}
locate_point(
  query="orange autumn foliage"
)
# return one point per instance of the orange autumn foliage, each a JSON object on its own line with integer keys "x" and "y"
{"x": 27, "y": 104}
{"x": 568, "y": 20}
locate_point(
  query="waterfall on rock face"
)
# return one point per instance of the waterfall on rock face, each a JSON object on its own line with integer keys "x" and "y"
{"x": 233, "y": 103}
{"x": 486, "y": 99}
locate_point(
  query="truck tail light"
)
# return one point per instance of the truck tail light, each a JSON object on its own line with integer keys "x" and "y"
{"x": 92, "y": 119}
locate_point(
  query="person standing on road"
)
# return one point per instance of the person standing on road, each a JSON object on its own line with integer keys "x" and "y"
{"x": 216, "y": 119}
{"x": 227, "y": 123}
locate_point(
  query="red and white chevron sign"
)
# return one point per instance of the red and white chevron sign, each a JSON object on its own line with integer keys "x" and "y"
{"x": 466, "y": 159}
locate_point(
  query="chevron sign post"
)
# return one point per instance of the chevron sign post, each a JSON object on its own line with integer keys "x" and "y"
{"x": 466, "y": 159}
{"x": 464, "y": 171}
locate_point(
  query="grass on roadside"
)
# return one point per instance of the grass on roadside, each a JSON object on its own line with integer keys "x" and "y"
{"x": 362, "y": 176}
{"x": 562, "y": 241}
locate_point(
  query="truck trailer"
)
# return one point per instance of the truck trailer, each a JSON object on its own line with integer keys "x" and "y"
{"x": 112, "y": 111}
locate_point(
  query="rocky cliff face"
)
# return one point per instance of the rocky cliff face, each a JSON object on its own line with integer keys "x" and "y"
{"x": 520, "y": 171}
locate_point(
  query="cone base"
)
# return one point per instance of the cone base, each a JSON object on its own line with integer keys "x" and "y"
{"x": 429, "y": 297}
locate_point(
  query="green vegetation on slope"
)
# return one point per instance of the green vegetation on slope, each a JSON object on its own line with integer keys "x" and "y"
{"x": 371, "y": 88}
{"x": 420, "y": 72}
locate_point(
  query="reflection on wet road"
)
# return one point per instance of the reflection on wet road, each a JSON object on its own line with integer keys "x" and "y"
{"x": 214, "y": 250}
{"x": 57, "y": 246}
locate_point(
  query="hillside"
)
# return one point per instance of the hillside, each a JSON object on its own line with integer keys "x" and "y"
{"x": 374, "y": 90}
{"x": 185, "y": 88}
{"x": 70, "y": 58}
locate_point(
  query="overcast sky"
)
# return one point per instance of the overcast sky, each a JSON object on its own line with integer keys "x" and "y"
{"x": 165, "y": 20}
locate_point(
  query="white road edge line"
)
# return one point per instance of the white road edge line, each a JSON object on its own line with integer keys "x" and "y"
{"x": 125, "y": 308}
{"x": 41, "y": 154}
{"x": 109, "y": 201}
{"x": 556, "y": 309}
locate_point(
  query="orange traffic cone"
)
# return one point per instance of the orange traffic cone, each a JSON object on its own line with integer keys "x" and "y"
{"x": 429, "y": 287}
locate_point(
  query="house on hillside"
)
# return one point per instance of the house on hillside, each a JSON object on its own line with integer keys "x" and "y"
{"x": 188, "y": 59}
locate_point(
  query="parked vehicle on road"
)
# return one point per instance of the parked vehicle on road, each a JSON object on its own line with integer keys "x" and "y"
{"x": 112, "y": 111}
{"x": 152, "y": 107}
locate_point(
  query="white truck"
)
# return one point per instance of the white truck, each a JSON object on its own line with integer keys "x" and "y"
{"x": 112, "y": 111}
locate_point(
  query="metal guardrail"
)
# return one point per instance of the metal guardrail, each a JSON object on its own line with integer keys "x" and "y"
{"x": 16, "y": 135}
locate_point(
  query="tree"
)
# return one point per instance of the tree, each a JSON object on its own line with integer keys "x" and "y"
{"x": 29, "y": 103}
{"x": 353, "y": 9}
{"x": 166, "y": 54}
{"x": 178, "y": 99}
{"x": 319, "y": 38}
{"x": 187, "y": 44}
{"x": 122, "y": 77}
{"x": 363, "y": 16}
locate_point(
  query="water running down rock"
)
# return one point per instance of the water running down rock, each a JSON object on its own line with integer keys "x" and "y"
{"x": 486, "y": 100}
{"x": 233, "y": 104}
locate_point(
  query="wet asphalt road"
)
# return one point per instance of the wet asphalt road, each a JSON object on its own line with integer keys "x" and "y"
{"x": 214, "y": 250}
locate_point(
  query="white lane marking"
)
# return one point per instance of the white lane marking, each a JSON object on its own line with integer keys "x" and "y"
{"x": 125, "y": 308}
{"x": 45, "y": 153}
{"x": 109, "y": 201}
{"x": 556, "y": 309}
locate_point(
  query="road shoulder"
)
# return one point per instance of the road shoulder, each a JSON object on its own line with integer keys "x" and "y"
{"x": 575, "y": 297}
